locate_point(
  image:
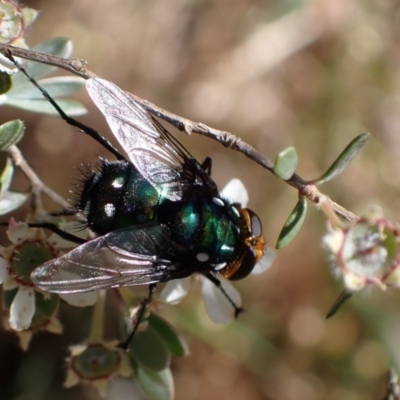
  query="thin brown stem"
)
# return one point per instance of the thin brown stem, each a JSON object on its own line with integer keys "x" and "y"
{"x": 78, "y": 67}
{"x": 38, "y": 186}
{"x": 393, "y": 389}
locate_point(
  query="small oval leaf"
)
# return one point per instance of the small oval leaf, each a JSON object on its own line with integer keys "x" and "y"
{"x": 286, "y": 163}
{"x": 58, "y": 46}
{"x": 149, "y": 350}
{"x": 293, "y": 223}
{"x": 157, "y": 385}
{"x": 10, "y": 201}
{"x": 71, "y": 107}
{"x": 174, "y": 341}
{"x": 11, "y": 133}
{"x": 6, "y": 176}
{"x": 5, "y": 82}
{"x": 343, "y": 297}
{"x": 344, "y": 159}
{"x": 58, "y": 86}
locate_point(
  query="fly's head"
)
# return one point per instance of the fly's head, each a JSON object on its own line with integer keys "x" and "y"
{"x": 251, "y": 247}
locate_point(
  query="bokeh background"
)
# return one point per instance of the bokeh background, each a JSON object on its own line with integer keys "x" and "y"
{"x": 311, "y": 74}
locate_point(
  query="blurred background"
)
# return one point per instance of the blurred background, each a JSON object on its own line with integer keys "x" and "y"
{"x": 309, "y": 74}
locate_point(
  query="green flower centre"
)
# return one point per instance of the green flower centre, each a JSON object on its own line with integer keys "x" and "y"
{"x": 96, "y": 362}
{"x": 27, "y": 256}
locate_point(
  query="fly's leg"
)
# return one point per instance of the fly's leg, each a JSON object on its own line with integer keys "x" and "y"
{"x": 71, "y": 121}
{"x": 54, "y": 228}
{"x": 217, "y": 283}
{"x": 207, "y": 164}
{"x": 145, "y": 302}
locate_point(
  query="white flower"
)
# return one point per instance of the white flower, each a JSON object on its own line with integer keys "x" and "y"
{"x": 14, "y": 22}
{"x": 235, "y": 192}
{"x": 96, "y": 363}
{"x": 30, "y": 248}
{"x": 366, "y": 252}
{"x": 218, "y": 306}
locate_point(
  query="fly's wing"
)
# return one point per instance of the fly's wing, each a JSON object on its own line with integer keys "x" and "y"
{"x": 126, "y": 257}
{"x": 160, "y": 158}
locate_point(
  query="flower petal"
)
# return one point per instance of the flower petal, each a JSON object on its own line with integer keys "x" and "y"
{"x": 80, "y": 299}
{"x": 7, "y": 66}
{"x": 17, "y": 231}
{"x": 10, "y": 283}
{"x": 71, "y": 380}
{"x": 24, "y": 339}
{"x": 3, "y": 270}
{"x": 217, "y": 305}
{"x": 174, "y": 291}
{"x": 236, "y": 192}
{"x": 22, "y": 309}
{"x": 265, "y": 262}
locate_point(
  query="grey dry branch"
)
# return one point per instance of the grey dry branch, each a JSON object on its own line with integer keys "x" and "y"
{"x": 38, "y": 186}
{"x": 79, "y": 67}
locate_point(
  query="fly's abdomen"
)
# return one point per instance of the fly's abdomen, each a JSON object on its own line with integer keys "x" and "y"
{"x": 117, "y": 197}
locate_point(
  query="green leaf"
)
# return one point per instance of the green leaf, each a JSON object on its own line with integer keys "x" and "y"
{"x": 174, "y": 341}
{"x": 343, "y": 297}
{"x": 149, "y": 350}
{"x": 10, "y": 201}
{"x": 58, "y": 86}
{"x": 344, "y": 159}
{"x": 11, "y": 133}
{"x": 286, "y": 163}
{"x": 71, "y": 107}
{"x": 5, "y": 82}
{"x": 293, "y": 223}
{"x": 59, "y": 46}
{"x": 6, "y": 176}
{"x": 157, "y": 385}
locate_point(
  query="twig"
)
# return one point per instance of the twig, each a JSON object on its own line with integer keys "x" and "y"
{"x": 78, "y": 67}
{"x": 393, "y": 390}
{"x": 37, "y": 185}
{"x": 74, "y": 65}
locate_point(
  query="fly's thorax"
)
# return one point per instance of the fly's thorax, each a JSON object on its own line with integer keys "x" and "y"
{"x": 250, "y": 247}
{"x": 116, "y": 196}
{"x": 204, "y": 226}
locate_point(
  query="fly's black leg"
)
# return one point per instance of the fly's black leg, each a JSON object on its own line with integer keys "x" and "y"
{"x": 54, "y": 228}
{"x": 145, "y": 302}
{"x": 71, "y": 121}
{"x": 68, "y": 212}
{"x": 217, "y": 283}
{"x": 207, "y": 164}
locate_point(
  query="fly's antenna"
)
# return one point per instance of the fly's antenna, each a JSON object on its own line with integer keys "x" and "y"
{"x": 69, "y": 120}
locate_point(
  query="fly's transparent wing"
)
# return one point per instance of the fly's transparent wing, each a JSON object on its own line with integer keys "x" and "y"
{"x": 126, "y": 257}
{"x": 156, "y": 158}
